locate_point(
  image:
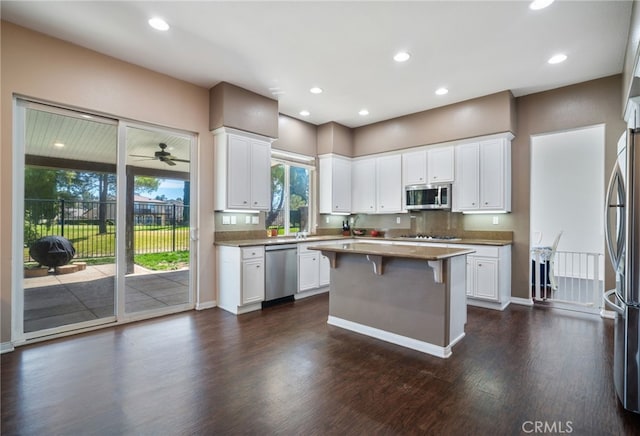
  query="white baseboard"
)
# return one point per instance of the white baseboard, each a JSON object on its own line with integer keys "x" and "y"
{"x": 206, "y": 305}
{"x": 6, "y": 347}
{"x": 311, "y": 293}
{"x": 522, "y": 301}
{"x": 393, "y": 338}
{"x": 487, "y": 304}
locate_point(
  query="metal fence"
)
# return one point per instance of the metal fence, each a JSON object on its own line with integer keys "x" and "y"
{"x": 158, "y": 226}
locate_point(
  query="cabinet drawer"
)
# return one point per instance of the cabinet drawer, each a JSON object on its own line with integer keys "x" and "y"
{"x": 480, "y": 250}
{"x": 252, "y": 252}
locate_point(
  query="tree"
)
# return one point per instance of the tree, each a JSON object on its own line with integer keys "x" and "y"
{"x": 277, "y": 194}
{"x": 146, "y": 184}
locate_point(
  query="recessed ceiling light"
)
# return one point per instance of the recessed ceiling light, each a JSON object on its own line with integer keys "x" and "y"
{"x": 441, "y": 91}
{"x": 158, "y": 24}
{"x": 58, "y": 144}
{"x": 363, "y": 112}
{"x": 315, "y": 90}
{"x": 556, "y": 59}
{"x": 539, "y": 4}
{"x": 401, "y": 56}
{"x": 305, "y": 113}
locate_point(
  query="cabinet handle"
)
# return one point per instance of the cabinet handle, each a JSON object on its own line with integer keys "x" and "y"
{"x": 382, "y": 206}
{"x": 255, "y": 202}
{"x": 257, "y": 266}
{"x": 479, "y": 265}
{"x": 244, "y": 202}
{"x": 313, "y": 258}
{"x": 486, "y": 202}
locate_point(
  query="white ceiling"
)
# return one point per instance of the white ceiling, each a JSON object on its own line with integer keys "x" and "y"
{"x": 473, "y": 48}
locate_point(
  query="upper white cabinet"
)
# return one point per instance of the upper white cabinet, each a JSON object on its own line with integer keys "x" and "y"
{"x": 389, "y": 184}
{"x": 440, "y": 164}
{"x": 377, "y": 184}
{"x": 243, "y": 170}
{"x": 363, "y": 189}
{"x": 414, "y": 167}
{"x": 335, "y": 184}
{"x": 483, "y": 176}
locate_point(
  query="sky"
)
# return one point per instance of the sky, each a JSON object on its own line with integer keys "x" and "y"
{"x": 172, "y": 189}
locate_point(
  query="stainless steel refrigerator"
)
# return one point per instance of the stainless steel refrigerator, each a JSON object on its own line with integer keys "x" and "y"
{"x": 622, "y": 233}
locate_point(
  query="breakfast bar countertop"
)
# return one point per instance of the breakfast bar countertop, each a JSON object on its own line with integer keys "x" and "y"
{"x": 400, "y": 251}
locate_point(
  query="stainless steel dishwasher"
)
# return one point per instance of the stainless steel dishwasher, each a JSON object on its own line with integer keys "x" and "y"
{"x": 281, "y": 271}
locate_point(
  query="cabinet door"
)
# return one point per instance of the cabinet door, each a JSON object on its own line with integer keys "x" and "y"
{"x": 325, "y": 271}
{"x": 260, "y": 175}
{"x": 414, "y": 167}
{"x": 440, "y": 164}
{"x": 389, "y": 184}
{"x": 308, "y": 271}
{"x": 238, "y": 181}
{"x": 341, "y": 185}
{"x": 466, "y": 191}
{"x": 252, "y": 281}
{"x": 492, "y": 175}
{"x": 486, "y": 278}
{"x": 363, "y": 192}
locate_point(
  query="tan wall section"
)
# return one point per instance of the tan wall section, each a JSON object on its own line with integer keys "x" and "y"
{"x": 296, "y": 136}
{"x": 335, "y": 138}
{"x": 468, "y": 119}
{"x": 581, "y": 105}
{"x": 232, "y": 106}
{"x": 49, "y": 69}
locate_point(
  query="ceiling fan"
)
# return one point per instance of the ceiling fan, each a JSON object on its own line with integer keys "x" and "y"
{"x": 162, "y": 156}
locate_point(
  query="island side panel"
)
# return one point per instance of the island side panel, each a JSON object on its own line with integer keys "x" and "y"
{"x": 405, "y": 300}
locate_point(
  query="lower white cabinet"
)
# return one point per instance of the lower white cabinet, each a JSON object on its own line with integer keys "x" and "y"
{"x": 240, "y": 278}
{"x": 488, "y": 276}
{"x": 313, "y": 268}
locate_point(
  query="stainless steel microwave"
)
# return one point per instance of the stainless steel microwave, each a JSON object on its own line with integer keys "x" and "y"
{"x": 436, "y": 196}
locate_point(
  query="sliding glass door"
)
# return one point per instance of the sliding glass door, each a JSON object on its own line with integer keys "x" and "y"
{"x": 102, "y": 221}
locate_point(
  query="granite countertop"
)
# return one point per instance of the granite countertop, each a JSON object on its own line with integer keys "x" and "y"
{"x": 292, "y": 240}
{"x": 401, "y": 251}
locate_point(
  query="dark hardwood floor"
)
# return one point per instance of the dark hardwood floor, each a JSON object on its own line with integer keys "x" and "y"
{"x": 285, "y": 371}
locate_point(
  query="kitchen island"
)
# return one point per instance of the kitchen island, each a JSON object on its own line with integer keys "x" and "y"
{"x": 413, "y": 296}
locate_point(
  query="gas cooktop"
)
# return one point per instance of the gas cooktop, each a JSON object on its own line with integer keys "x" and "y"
{"x": 431, "y": 237}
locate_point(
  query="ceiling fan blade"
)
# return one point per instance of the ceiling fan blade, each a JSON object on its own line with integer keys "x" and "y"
{"x": 139, "y": 155}
{"x": 169, "y": 162}
{"x": 175, "y": 159}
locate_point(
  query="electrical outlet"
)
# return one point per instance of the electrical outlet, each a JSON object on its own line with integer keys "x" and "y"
{"x": 496, "y": 220}
{"x": 233, "y": 219}
{"x": 226, "y": 219}
{"x": 351, "y": 220}
{"x": 247, "y": 219}
{"x": 326, "y": 219}
{"x": 255, "y": 219}
{"x": 398, "y": 220}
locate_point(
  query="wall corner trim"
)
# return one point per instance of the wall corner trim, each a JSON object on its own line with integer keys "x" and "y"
{"x": 6, "y": 347}
{"x": 522, "y": 301}
{"x": 206, "y": 305}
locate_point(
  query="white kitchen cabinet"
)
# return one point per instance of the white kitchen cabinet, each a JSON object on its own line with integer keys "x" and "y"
{"x": 488, "y": 276}
{"x": 313, "y": 270}
{"x": 241, "y": 280}
{"x": 483, "y": 177}
{"x": 308, "y": 271}
{"x": 363, "y": 192}
{"x": 440, "y": 164}
{"x": 414, "y": 167}
{"x": 335, "y": 184}
{"x": 377, "y": 184}
{"x": 389, "y": 184}
{"x": 243, "y": 170}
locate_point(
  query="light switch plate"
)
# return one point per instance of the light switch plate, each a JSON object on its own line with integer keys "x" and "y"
{"x": 496, "y": 220}
{"x": 226, "y": 219}
{"x": 247, "y": 219}
{"x": 326, "y": 219}
{"x": 398, "y": 220}
{"x": 255, "y": 219}
{"x": 233, "y": 219}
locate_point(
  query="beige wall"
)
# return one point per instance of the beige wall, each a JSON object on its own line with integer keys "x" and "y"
{"x": 335, "y": 138}
{"x": 296, "y": 136}
{"x": 480, "y": 116}
{"x": 584, "y": 104}
{"x": 232, "y": 106}
{"x": 40, "y": 67}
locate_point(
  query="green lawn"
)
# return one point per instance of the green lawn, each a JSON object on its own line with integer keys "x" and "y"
{"x": 147, "y": 239}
